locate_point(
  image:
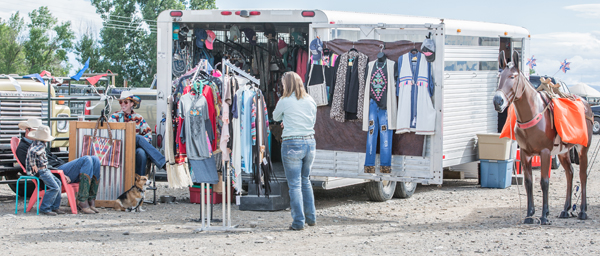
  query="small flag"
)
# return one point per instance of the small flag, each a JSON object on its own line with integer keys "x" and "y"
{"x": 94, "y": 79}
{"x": 45, "y": 73}
{"x": 564, "y": 66}
{"x": 531, "y": 62}
{"x": 85, "y": 67}
{"x": 36, "y": 76}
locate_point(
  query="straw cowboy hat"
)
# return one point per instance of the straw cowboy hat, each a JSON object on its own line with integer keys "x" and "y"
{"x": 32, "y": 123}
{"x": 42, "y": 133}
{"x": 127, "y": 95}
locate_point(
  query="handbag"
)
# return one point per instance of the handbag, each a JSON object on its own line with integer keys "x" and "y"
{"x": 317, "y": 91}
{"x": 108, "y": 150}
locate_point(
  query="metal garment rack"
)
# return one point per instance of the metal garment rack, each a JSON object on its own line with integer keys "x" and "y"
{"x": 205, "y": 205}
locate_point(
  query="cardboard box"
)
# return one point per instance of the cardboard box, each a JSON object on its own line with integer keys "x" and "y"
{"x": 496, "y": 173}
{"x": 491, "y": 147}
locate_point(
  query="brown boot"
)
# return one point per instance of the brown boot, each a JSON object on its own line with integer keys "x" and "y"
{"x": 92, "y": 203}
{"x": 92, "y": 196}
{"x": 82, "y": 196}
{"x": 369, "y": 169}
{"x": 385, "y": 169}
{"x": 84, "y": 207}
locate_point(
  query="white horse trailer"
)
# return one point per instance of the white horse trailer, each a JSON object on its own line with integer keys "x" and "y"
{"x": 464, "y": 76}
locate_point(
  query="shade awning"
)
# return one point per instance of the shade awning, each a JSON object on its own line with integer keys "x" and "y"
{"x": 584, "y": 90}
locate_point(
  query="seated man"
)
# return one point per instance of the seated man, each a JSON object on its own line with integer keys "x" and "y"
{"x": 85, "y": 170}
{"x": 144, "y": 149}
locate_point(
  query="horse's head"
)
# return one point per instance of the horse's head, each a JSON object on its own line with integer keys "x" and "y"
{"x": 506, "y": 91}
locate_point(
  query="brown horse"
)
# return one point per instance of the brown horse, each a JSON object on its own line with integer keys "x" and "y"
{"x": 541, "y": 138}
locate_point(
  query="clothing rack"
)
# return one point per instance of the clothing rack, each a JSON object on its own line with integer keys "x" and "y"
{"x": 239, "y": 71}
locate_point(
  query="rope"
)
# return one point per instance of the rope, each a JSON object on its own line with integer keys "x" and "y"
{"x": 595, "y": 155}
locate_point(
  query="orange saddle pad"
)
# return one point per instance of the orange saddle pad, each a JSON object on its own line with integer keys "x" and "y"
{"x": 569, "y": 120}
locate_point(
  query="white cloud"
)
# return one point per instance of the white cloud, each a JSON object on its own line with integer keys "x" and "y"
{"x": 581, "y": 49}
{"x": 586, "y": 10}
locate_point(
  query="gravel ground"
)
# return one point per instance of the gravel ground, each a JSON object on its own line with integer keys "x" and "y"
{"x": 458, "y": 218}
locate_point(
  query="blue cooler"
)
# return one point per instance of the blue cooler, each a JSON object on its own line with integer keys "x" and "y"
{"x": 496, "y": 173}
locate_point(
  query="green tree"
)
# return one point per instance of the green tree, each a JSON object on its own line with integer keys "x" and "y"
{"x": 89, "y": 47}
{"x": 12, "y": 57}
{"x": 48, "y": 43}
{"x": 129, "y": 35}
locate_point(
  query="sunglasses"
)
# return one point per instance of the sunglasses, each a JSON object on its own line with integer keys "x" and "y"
{"x": 124, "y": 102}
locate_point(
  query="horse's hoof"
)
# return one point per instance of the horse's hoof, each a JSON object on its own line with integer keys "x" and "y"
{"x": 528, "y": 220}
{"x": 564, "y": 215}
{"x": 582, "y": 216}
{"x": 545, "y": 221}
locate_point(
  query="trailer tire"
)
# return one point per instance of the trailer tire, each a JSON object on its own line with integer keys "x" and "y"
{"x": 405, "y": 189}
{"x": 380, "y": 191}
{"x": 555, "y": 163}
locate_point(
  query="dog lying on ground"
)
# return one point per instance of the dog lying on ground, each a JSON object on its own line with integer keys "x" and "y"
{"x": 133, "y": 198}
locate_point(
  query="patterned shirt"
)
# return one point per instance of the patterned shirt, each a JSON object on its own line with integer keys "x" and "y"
{"x": 36, "y": 156}
{"x": 141, "y": 127}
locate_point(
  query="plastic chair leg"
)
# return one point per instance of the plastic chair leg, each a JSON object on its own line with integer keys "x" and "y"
{"x": 27, "y": 207}
{"x": 71, "y": 197}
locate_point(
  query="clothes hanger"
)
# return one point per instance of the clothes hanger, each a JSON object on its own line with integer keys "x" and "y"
{"x": 352, "y": 49}
{"x": 414, "y": 50}
{"x": 381, "y": 56}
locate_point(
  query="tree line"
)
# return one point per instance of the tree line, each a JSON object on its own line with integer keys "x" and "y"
{"x": 126, "y": 43}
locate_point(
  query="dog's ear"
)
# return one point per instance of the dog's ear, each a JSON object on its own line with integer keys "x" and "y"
{"x": 137, "y": 177}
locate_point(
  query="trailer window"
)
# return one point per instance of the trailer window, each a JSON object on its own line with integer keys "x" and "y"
{"x": 472, "y": 40}
{"x": 471, "y": 66}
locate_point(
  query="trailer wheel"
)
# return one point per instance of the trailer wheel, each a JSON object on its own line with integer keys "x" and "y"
{"x": 555, "y": 163}
{"x": 380, "y": 191}
{"x": 405, "y": 189}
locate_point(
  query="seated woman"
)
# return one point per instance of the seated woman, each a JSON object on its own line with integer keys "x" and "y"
{"x": 143, "y": 148}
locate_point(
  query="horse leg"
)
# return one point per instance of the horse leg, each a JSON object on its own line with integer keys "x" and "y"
{"x": 545, "y": 157}
{"x": 526, "y": 168}
{"x": 583, "y": 165}
{"x": 565, "y": 161}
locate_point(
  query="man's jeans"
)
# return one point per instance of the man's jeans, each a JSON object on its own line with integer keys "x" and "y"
{"x": 89, "y": 165}
{"x": 378, "y": 124}
{"x": 143, "y": 151}
{"x": 298, "y": 156}
{"x": 51, "y": 199}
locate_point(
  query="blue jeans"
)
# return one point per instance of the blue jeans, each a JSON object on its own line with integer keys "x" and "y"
{"x": 378, "y": 124}
{"x": 298, "y": 156}
{"x": 51, "y": 199}
{"x": 89, "y": 165}
{"x": 143, "y": 151}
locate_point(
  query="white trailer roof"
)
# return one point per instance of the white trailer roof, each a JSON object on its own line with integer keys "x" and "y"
{"x": 467, "y": 28}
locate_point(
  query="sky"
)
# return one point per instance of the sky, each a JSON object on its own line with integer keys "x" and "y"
{"x": 559, "y": 29}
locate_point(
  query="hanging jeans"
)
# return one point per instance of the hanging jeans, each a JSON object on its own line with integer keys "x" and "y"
{"x": 378, "y": 123}
{"x": 144, "y": 150}
{"x": 297, "y": 156}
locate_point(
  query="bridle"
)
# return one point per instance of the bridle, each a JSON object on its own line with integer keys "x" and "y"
{"x": 514, "y": 90}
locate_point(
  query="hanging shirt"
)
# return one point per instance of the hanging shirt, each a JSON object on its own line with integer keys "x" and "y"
{"x": 141, "y": 127}
{"x": 194, "y": 111}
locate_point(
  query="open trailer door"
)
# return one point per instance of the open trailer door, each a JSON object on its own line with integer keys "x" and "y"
{"x": 425, "y": 168}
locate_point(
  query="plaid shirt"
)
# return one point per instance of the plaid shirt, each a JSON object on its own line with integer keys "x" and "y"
{"x": 36, "y": 156}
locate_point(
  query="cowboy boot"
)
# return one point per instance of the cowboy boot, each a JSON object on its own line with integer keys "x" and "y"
{"x": 385, "y": 169}
{"x": 93, "y": 191}
{"x": 83, "y": 195}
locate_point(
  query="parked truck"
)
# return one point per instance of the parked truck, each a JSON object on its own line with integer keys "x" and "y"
{"x": 464, "y": 76}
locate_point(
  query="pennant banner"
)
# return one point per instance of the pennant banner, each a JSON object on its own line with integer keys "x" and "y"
{"x": 85, "y": 67}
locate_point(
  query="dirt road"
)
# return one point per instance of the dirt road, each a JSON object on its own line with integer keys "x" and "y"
{"x": 458, "y": 218}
